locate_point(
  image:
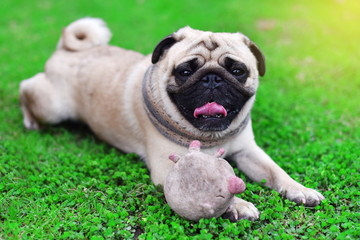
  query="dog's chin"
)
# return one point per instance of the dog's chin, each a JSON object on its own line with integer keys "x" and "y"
{"x": 211, "y": 124}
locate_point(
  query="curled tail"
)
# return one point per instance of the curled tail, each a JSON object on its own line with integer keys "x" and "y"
{"x": 83, "y": 34}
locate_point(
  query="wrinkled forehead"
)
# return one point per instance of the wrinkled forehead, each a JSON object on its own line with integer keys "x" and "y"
{"x": 209, "y": 46}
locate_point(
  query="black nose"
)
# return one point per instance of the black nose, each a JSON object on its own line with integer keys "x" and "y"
{"x": 212, "y": 81}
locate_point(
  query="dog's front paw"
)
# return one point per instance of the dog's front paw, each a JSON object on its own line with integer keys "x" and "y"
{"x": 302, "y": 195}
{"x": 241, "y": 209}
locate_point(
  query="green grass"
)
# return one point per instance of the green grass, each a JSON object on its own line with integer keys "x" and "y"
{"x": 63, "y": 183}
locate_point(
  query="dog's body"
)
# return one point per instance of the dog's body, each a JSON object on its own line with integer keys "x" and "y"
{"x": 141, "y": 103}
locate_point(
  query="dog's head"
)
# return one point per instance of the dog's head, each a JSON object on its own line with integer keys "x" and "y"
{"x": 211, "y": 78}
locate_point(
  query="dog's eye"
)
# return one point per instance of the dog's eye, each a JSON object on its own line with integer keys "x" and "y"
{"x": 185, "y": 70}
{"x": 237, "y": 69}
{"x": 237, "y": 72}
{"x": 185, "y": 73}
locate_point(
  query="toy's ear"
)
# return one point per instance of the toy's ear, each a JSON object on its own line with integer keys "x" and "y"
{"x": 219, "y": 153}
{"x": 195, "y": 146}
{"x": 174, "y": 157}
{"x": 162, "y": 46}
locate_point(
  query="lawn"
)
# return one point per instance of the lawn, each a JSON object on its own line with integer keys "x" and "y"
{"x": 64, "y": 183}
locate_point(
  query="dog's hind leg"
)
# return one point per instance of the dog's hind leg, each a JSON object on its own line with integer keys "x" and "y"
{"x": 41, "y": 102}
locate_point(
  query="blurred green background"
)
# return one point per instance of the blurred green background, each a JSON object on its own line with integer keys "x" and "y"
{"x": 61, "y": 182}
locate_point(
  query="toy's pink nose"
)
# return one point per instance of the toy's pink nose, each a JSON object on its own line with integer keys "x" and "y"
{"x": 236, "y": 185}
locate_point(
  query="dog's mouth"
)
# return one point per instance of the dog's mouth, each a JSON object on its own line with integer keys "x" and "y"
{"x": 210, "y": 110}
{"x": 211, "y": 116}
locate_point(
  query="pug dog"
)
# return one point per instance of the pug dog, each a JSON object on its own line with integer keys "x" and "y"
{"x": 195, "y": 85}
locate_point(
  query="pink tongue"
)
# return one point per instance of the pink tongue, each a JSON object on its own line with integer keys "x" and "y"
{"x": 210, "y": 109}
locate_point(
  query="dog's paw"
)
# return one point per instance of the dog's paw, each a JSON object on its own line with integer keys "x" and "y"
{"x": 302, "y": 195}
{"x": 241, "y": 209}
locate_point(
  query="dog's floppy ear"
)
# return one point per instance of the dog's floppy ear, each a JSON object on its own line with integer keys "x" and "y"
{"x": 259, "y": 57}
{"x": 162, "y": 46}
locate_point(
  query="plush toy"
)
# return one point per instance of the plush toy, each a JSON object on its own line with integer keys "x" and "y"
{"x": 201, "y": 185}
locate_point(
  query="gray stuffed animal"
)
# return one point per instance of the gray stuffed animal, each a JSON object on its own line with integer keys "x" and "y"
{"x": 202, "y": 186}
